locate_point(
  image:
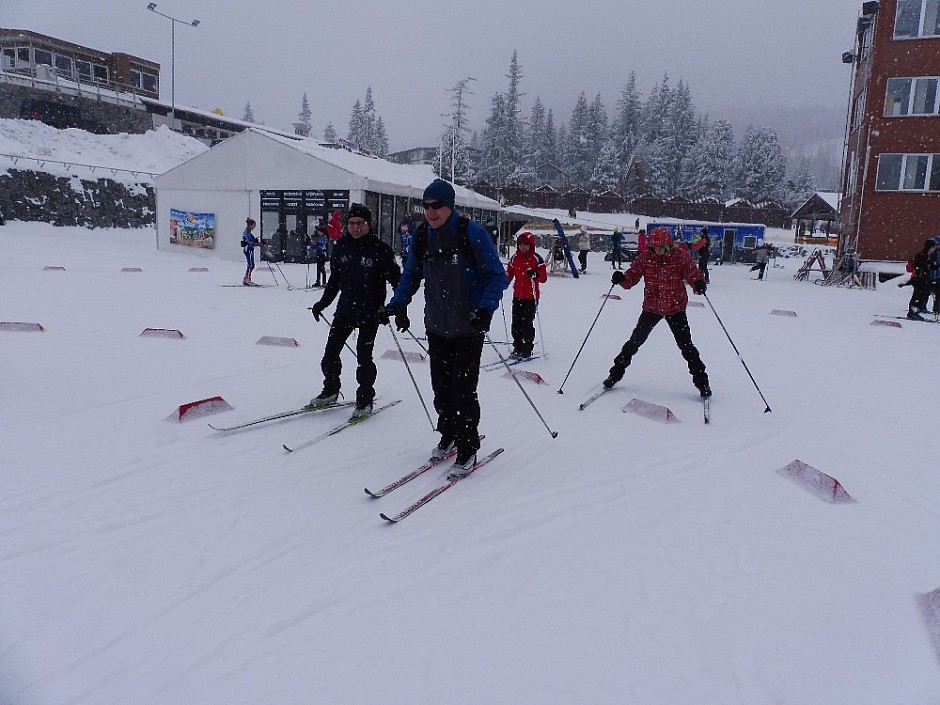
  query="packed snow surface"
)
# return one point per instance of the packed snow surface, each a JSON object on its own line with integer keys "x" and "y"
{"x": 147, "y": 560}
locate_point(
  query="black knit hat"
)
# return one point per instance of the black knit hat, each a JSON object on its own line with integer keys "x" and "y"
{"x": 357, "y": 210}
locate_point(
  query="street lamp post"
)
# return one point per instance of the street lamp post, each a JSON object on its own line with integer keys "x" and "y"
{"x": 173, "y": 22}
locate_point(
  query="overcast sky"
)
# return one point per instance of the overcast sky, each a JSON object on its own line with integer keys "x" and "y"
{"x": 759, "y": 53}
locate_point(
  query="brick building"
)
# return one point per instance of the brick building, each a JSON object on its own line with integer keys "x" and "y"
{"x": 891, "y": 170}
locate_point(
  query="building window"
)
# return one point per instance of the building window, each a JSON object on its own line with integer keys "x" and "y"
{"x": 858, "y": 113}
{"x": 908, "y": 172}
{"x": 911, "y": 96}
{"x": 143, "y": 80}
{"x": 43, "y": 57}
{"x": 100, "y": 73}
{"x": 917, "y": 18}
{"x": 83, "y": 70}
{"x": 63, "y": 65}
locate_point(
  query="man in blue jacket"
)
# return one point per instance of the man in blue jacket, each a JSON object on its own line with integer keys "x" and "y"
{"x": 361, "y": 266}
{"x": 463, "y": 284}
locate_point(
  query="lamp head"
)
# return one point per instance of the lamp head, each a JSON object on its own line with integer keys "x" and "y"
{"x": 195, "y": 23}
{"x": 152, "y": 6}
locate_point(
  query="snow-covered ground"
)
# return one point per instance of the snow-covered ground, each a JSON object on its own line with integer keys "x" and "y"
{"x": 152, "y": 561}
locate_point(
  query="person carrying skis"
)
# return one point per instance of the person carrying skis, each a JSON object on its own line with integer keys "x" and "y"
{"x": 360, "y": 267}
{"x": 666, "y": 270}
{"x": 249, "y": 242}
{"x": 464, "y": 281}
{"x": 700, "y": 243}
{"x": 528, "y": 269}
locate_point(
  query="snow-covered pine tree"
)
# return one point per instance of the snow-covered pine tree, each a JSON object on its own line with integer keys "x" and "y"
{"x": 579, "y": 149}
{"x": 801, "y": 186}
{"x": 304, "y": 116}
{"x": 760, "y": 166}
{"x": 513, "y": 129}
{"x": 495, "y": 166}
{"x": 248, "y": 115}
{"x": 356, "y": 127}
{"x": 453, "y": 145}
{"x": 535, "y": 152}
{"x": 329, "y": 134}
{"x": 627, "y": 128}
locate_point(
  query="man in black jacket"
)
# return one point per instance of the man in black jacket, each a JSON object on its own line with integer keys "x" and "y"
{"x": 360, "y": 267}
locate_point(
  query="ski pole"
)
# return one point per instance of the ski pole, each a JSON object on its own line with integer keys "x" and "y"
{"x": 415, "y": 338}
{"x": 606, "y": 297}
{"x": 767, "y": 409}
{"x": 330, "y": 324}
{"x": 391, "y": 327}
{"x": 515, "y": 379}
{"x": 538, "y": 319}
{"x": 502, "y": 307}
{"x": 286, "y": 281}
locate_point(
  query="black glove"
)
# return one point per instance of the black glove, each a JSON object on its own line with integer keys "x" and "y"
{"x": 401, "y": 321}
{"x": 480, "y": 320}
{"x": 316, "y": 310}
{"x": 617, "y": 277}
{"x": 699, "y": 287}
{"x": 387, "y": 312}
{"x": 531, "y": 273}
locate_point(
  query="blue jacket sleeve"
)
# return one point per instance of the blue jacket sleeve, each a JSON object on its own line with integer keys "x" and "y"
{"x": 408, "y": 284}
{"x": 493, "y": 274}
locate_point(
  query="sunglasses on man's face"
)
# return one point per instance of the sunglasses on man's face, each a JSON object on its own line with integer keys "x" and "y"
{"x": 433, "y": 205}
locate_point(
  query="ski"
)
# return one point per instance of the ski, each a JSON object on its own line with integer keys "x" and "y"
{"x": 248, "y": 286}
{"x": 342, "y": 427}
{"x": 282, "y": 415}
{"x": 439, "y": 490}
{"x": 932, "y": 319}
{"x": 411, "y": 475}
{"x": 594, "y": 397}
{"x": 513, "y": 361}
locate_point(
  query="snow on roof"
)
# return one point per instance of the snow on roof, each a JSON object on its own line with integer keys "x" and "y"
{"x": 831, "y": 198}
{"x": 416, "y": 176}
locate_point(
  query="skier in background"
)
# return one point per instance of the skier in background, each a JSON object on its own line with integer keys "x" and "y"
{"x": 528, "y": 269}
{"x": 666, "y": 270}
{"x": 320, "y": 246}
{"x": 584, "y": 246}
{"x": 249, "y": 242}
{"x": 701, "y": 243}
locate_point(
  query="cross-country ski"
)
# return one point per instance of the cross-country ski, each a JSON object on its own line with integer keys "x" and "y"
{"x": 283, "y": 415}
{"x": 336, "y": 429}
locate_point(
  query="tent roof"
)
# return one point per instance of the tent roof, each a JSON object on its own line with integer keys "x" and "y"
{"x": 261, "y": 160}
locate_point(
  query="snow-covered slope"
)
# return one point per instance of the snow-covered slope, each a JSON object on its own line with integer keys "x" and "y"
{"x": 146, "y": 560}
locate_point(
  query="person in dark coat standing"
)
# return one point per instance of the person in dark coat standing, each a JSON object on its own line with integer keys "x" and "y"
{"x": 320, "y": 247}
{"x": 464, "y": 281}
{"x": 528, "y": 270}
{"x": 360, "y": 267}
{"x": 701, "y": 244}
{"x": 665, "y": 269}
{"x": 920, "y": 280}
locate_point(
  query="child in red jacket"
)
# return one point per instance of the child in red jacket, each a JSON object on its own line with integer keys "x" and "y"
{"x": 528, "y": 270}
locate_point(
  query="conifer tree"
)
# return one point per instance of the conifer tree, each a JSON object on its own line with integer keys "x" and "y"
{"x": 329, "y": 134}
{"x": 760, "y": 166}
{"x": 303, "y": 117}
{"x": 248, "y": 115}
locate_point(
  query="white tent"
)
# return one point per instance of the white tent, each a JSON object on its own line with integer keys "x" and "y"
{"x": 224, "y": 185}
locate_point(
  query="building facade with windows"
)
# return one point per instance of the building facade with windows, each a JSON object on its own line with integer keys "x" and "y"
{"x": 891, "y": 167}
{"x": 41, "y": 56}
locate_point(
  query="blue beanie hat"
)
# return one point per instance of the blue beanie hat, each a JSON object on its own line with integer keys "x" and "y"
{"x": 440, "y": 191}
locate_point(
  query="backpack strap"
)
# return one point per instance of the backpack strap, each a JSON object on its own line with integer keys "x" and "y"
{"x": 419, "y": 243}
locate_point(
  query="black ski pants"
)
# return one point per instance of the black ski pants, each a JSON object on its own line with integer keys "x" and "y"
{"x": 679, "y": 325}
{"x": 523, "y": 325}
{"x": 455, "y": 373}
{"x": 332, "y": 365}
